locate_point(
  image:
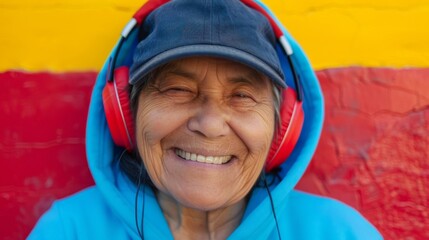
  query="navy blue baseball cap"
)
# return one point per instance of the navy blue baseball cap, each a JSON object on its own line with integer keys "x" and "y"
{"x": 217, "y": 28}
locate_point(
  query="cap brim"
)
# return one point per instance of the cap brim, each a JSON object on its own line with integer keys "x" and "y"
{"x": 207, "y": 50}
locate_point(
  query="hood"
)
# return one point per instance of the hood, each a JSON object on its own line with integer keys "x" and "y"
{"x": 102, "y": 154}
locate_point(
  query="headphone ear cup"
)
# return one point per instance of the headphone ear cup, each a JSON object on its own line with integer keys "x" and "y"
{"x": 116, "y": 103}
{"x": 286, "y": 137}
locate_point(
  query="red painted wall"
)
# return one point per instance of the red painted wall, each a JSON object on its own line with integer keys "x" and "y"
{"x": 42, "y": 146}
{"x": 374, "y": 149}
{"x": 373, "y": 153}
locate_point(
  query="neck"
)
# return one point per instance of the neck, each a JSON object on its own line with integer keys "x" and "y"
{"x": 190, "y": 223}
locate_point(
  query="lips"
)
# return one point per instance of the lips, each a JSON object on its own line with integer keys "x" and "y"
{"x": 201, "y": 158}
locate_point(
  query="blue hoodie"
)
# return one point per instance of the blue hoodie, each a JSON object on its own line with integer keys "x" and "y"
{"x": 107, "y": 210}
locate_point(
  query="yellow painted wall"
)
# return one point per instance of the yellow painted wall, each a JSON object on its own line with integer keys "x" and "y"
{"x": 77, "y": 35}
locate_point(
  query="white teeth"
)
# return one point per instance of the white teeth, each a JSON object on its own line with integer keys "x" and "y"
{"x": 209, "y": 159}
{"x": 203, "y": 159}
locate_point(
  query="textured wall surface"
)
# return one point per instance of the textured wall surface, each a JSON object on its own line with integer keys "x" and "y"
{"x": 373, "y": 153}
{"x": 374, "y": 149}
{"x": 42, "y": 145}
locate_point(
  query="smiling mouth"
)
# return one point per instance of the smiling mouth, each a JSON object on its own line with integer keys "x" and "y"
{"x": 201, "y": 158}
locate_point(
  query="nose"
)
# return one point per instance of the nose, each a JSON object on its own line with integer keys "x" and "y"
{"x": 210, "y": 119}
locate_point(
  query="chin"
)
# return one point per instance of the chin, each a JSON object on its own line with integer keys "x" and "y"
{"x": 203, "y": 200}
{"x": 204, "y": 204}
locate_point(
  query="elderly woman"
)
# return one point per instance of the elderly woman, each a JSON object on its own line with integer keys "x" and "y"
{"x": 197, "y": 134}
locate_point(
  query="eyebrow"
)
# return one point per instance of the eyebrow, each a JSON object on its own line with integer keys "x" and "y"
{"x": 253, "y": 78}
{"x": 182, "y": 73}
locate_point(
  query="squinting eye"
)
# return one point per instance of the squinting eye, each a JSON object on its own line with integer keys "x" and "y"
{"x": 241, "y": 95}
{"x": 241, "y": 99}
{"x": 179, "y": 94}
{"x": 178, "y": 90}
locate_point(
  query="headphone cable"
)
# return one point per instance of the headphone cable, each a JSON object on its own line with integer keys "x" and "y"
{"x": 273, "y": 210}
{"x": 136, "y": 203}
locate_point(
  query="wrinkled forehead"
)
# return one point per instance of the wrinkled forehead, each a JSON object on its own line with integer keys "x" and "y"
{"x": 196, "y": 68}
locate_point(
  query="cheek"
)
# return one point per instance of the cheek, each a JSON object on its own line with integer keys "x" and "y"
{"x": 148, "y": 131}
{"x": 154, "y": 122}
{"x": 155, "y": 119}
{"x": 256, "y": 130}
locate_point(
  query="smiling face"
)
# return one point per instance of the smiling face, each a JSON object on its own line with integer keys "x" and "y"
{"x": 203, "y": 129}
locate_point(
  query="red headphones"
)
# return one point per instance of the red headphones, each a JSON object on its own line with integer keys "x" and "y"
{"x": 117, "y": 102}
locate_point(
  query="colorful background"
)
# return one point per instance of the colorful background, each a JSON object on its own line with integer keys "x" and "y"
{"x": 371, "y": 57}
